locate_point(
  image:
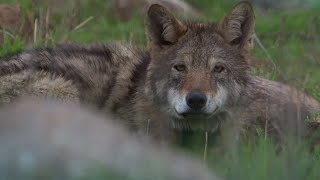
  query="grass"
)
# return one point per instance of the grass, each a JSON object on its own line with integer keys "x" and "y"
{"x": 290, "y": 37}
{"x": 264, "y": 162}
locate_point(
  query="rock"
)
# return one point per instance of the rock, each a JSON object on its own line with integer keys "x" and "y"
{"x": 51, "y": 140}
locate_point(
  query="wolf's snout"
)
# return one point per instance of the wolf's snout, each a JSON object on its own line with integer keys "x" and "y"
{"x": 196, "y": 100}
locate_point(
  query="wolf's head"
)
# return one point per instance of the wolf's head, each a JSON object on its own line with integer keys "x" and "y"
{"x": 198, "y": 71}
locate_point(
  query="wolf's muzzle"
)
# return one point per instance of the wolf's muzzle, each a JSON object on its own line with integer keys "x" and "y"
{"x": 196, "y": 100}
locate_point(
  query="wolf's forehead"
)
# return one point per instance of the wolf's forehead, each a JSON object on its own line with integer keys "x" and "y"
{"x": 205, "y": 47}
{"x": 203, "y": 43}
{"x": 203, "y": 52}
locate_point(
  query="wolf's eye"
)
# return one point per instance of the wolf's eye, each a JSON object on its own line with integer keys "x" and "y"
{"x": 219, "y": 68}
{"x": 236, "y": 41}
{"x": 179, "y": 67}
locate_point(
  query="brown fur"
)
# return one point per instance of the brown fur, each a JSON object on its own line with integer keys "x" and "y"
{"x": 49, "y": 140}
{"x": 147, "y": 89}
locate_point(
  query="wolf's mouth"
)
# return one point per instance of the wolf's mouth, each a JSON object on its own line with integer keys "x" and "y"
{"x": 200, "y": 122}
{"x": 196, "y": 114}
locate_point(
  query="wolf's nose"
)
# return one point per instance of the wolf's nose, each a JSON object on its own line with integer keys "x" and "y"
{"x": 196, "y": 101}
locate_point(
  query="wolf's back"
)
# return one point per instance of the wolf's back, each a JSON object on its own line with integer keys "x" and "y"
{"x": 71, "y": 72}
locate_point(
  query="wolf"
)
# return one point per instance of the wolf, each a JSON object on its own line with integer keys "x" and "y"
{"x": 192, "y": 77}
{"x": 71, "y": 142}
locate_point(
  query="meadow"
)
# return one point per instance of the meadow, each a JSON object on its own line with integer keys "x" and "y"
{"x": 289, "y": 52}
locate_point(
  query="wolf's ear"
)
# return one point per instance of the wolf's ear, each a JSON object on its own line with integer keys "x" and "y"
{"x": 238, "y": 27}
{"x": 162, "y": 28}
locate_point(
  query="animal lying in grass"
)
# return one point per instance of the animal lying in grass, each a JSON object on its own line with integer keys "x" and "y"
{"x": 50, "y": 140}
{"x": 192, "y": 77}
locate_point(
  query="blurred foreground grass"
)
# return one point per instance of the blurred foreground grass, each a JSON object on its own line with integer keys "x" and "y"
{"x": 291, "y": 38}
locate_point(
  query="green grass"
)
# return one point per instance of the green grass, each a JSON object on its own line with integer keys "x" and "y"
{"x": 296, "y": 60}
{"x": 11, "y": 45}
{"x": 264, "y": 162}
